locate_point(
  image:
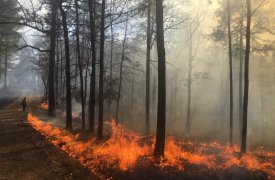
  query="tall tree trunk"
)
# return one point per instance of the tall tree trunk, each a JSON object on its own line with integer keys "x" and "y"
{"x": 80, "y": 66}
{"x": 189, "y": 88}
{"x": 6, "y": 69}
{"x": 230, "y": 73}
{"x": 148, "y": 74}
{"x": 51, "y": 80}
{"x": 0, "y": 56}
{"x": 45, "y": 83}
{"x": 67, "y": 70}
{"x": 161, "y": 112}
{"x": 241, "y": 75}
{"x": 111, "y": 55}
{"x": 86, "y": 82}
{"x": 121, "y": 70}
{"x": 132, "y": 93}
{"x": 175, "y": 96}
{"x": 76, "y": 72}
{"x": 57, "y": 71}
{"x": 86, "y": 75}
{"x": 101, "y": 73}
{"x": 246, "y": 78}
{"x": 154, "y": 95}
{"x": 171, "y": 96}
{"x": 93, "y": 74}
{"x": 61, "y": 69}
{"x": 20, "y": 66}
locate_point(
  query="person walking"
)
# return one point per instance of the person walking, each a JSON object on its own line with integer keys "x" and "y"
{"x": 24, "y": 104}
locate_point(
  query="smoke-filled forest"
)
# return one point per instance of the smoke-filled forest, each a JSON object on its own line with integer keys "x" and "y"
{"x": 137, "y": 89}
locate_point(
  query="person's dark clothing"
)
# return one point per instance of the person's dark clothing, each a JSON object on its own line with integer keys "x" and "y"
{"x": 24, "y": 103}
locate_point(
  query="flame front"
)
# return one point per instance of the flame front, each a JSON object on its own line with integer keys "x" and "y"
{"x": 124, "y": 148}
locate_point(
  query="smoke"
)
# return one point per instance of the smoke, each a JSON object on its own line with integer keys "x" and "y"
{"x": 210, "y": 83}
{"x": 210, "y": 89}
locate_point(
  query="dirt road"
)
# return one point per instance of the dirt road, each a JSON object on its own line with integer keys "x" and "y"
{"x": 25, "y": 154}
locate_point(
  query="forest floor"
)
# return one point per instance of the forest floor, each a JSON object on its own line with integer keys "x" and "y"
{"x": 26, "y": 154}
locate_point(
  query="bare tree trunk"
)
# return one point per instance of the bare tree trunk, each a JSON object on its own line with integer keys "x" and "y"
{"x": 121, "y": 70}
{"x": 51, "y": 97}
{"x": 80, "y": 66}
{"x": 93, "y": 74}
{"x": 175, "y": 94}
{"x": 111, "y": 56}
{"x": 57, "y": 71}
{"x": 148, "y": 74}
{"x": 246, "y": 78}
{"x": 20, "y": 78}
{"x": 0, "y": 56}
{"x": 61, "y": 69}
{"x": 45, "y": 83}
{"x": 241, "y": 76}
{"x": 230, "y": 73}
{"x": 171, "y": 100}
{"x": 6, "y": 69}
{"x": 76, "y": 72}
{"x": 154, "y": 95}
{"x": 132, "y": 93}
{"x": 86, "y": 74}
{"x": 101, "y": 73}
{"x": 67, "y": 70}
{"x": 86, "y": 62}
{"x": 189, "y": 88}
{"x": 64, "y": 83}
{"x": 161, "y": 112}
{"x": 86, "y": 83}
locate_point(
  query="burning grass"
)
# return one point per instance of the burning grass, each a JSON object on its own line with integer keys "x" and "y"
{"x": 126, "y": 151}
{"x": 44, "y": 106}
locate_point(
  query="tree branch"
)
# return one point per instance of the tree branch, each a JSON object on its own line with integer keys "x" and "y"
{"x": 27, "y": 25}
{"x": 33, "y": 47}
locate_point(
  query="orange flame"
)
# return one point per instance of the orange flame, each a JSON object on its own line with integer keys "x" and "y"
{"x": 44, "y": 106}
{"x": 124, "y": 148}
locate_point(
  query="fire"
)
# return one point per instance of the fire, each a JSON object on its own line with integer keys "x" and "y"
{"x": 122, "y": 146}
{"x": 44, "y": 106}
{"x": 125, "y": 150}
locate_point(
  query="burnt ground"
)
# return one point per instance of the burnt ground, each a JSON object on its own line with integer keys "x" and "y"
{"x": 25, "y": 154}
